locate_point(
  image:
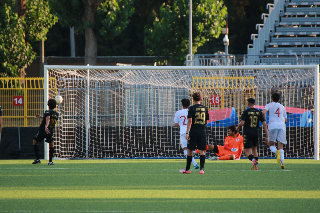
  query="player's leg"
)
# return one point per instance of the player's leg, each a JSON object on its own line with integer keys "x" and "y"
{"x": 184, "y": 143}
{"x": 281, "y": 137}
{"x": 215, "y": 149}
{"x": 190, "y": 147}
{"x": 227, "y": 157}
{"x": 255, "y": 156}
{"x": 248, "y": 147}
{"x": 37, "y": 138}
{"x": 202, "y": 146}
{"x": 272, "y": 139}
{"x": 51, "y": 151}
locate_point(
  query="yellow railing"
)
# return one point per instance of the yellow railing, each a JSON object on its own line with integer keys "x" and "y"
{"x": 21, "y": 99}
{"x": 230, "y": 91}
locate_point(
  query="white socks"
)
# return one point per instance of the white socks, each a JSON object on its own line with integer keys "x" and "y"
{"x": 273, "y": 149}
{"x": 186, "y": 154}
{"x": 281, "y": 155}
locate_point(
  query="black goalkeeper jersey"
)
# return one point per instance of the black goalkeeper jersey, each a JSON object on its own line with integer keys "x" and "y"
{"x": 199, "y": 115}
{"x": 251, "y": 117}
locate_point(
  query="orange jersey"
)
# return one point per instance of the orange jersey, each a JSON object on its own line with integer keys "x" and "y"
{"x": 232, "y": 146}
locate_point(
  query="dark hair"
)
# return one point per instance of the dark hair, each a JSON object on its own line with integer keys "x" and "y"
{"x": 52, "y": 103}
{"x": 275, "y": 97}
{"x": 185, "y": 102}
{"x": 251, "y": 101}
{"x": 233, "y": 128}
{"x": 196, "y": 96}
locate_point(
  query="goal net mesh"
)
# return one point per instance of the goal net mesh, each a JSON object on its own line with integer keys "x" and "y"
{"x": 127, "y": 112}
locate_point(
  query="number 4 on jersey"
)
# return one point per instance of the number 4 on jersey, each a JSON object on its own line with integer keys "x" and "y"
{"x": 278, "y": 112}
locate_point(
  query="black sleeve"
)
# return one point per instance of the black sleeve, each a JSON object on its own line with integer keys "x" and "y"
{"x": 207, "y": 114}
{"x": 190, "y": 112}
{"x": 244, "y": 116}
{"x": 261, "y": 117}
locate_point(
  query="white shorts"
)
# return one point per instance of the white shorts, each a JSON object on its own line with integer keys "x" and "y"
{"x": 277, "y": 135}
{"x": 183, "y": 141}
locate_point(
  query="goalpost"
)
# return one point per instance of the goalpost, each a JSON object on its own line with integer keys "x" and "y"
{"x": 127, "y": 111}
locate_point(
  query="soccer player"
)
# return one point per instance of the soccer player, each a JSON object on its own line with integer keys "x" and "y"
{"x": 276, "y": 126}
{"x": 180, "y": 119}
{"x": 49, "y": 120}
{"x": 198, "y": 117}
{"x": 250, "y": 120}
{"x": 232, "y": 148}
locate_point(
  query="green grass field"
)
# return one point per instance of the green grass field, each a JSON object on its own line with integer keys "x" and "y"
{"x": 157, "y": 186}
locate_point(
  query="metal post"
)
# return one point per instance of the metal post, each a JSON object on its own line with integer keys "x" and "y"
{"x": 87, "y": 113}
{"x": 316, "y": 114}
{"x": 45, "y": 100}
{"x": 190, "y": 27}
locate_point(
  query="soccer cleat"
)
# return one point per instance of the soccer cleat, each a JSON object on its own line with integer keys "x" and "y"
{"x": 214, "y": 158}
{"x": 282, "y": 165}
{"x": 278, "y": 156}
{"x": 201, "y": 172}
{"x": 36, "y": 161}
{"x": 196, "y": 167}
{"x": 184, "y": 171}
{"x": 51, "y": 163}
{"x": 254, "y": 165}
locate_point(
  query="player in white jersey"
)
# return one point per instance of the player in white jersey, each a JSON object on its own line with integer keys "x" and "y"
{"x": 276, "y": 126}
{"x": 181, "y": 119}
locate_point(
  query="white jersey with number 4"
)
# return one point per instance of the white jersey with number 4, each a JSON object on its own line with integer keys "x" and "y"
{"x": 181, "y": 117}
{"x": 277, "y": 116}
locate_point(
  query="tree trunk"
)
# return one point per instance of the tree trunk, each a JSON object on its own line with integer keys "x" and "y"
{"x": 91, "y": 47}
{"x": 20, "y": 8}
{"x": 90, "y": 36}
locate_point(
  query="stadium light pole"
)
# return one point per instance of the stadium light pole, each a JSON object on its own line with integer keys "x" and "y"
{"x": 190, "y": 27}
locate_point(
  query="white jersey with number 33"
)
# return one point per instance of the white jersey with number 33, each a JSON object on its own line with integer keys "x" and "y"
{"x": 277, "y": 116}
{"x": 181, "y": 118}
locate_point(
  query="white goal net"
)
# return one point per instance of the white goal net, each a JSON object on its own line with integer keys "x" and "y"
{"x": 127, "y": 112}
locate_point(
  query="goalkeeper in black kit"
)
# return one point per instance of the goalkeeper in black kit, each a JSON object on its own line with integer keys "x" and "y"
{"x": 50, "y": 118}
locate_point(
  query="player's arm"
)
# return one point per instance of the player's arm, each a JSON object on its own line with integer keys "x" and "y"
{"x": 285, "y": 115}
{"x": 0, "y": 123}
{"x": 264, "y": 113}
{"x": 47, "y": 124}
{"x": 226, "y": 144}
{"x": 241, "y": 124}
{"x": 265, "y": 127}
{"x": 176, "y": 120}
{"x": 188, "y": 127}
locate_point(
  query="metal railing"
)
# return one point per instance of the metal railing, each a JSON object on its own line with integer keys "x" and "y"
{"x": 21, "y": 99}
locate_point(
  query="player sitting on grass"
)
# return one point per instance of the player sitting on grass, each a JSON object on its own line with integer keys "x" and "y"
{"x": 232, "y": 148}
{"x": 49, "y": 120}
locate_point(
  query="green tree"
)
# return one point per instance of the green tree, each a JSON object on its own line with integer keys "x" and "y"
{"x": 18, "y": 27}
{"x": 243, "y": 15}
{"x": 169, "y": 36}
{"x": 106, "y": 18}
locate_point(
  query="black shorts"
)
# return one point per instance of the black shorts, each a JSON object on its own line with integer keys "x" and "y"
{"x": 197, "y": 141}
{"x": 42, "y": 135}
{"x": 250, "y": 140}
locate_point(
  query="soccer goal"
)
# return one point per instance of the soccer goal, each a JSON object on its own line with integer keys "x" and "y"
{"x": 128, "y": 111}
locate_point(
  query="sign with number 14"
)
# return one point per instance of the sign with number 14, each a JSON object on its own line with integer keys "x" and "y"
{"x": 17, "y": 100}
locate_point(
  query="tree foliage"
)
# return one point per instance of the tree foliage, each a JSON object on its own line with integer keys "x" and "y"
{"x": 96, "y": 18}
{"x": 16, "y": 33}
{"x": 169, "y": 36}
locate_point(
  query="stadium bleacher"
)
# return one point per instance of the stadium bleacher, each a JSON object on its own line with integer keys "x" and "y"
{"x": 290, "y": 29}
